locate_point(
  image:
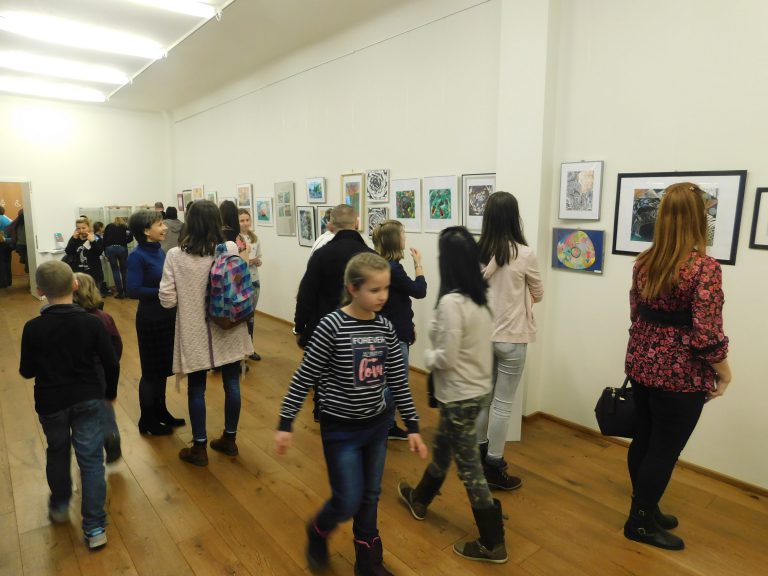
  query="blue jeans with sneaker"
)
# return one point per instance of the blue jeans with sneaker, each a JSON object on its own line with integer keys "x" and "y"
{"x": 79, "y": 427}
{"x": 230, "y": 375}
{"x": 355, "y": 458}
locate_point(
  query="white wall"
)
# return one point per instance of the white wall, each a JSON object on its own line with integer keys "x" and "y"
{"x": 661, "y": 86}
{"x": 82, "y": 155}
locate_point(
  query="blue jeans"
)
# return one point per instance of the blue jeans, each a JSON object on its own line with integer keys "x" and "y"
{"x": 118, "y": 261}
{"x": 230, "y": 375}
{"x": 355, "y": 458}
{"x": 78, "y": 426}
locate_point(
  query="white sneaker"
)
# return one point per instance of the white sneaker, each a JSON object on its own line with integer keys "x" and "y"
{"x": 96, "y": 538}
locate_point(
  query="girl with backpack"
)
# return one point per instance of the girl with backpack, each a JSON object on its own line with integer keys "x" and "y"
{"x": 200, "y": 343}
{"x": 354, "y": 359}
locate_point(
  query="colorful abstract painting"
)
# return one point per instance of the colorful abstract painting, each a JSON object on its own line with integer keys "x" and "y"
{"x": 578, "y": 250}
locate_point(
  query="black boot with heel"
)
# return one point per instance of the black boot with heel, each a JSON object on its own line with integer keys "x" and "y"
{"x": 642, "y": 526}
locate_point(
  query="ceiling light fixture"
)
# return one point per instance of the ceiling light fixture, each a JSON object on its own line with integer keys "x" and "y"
{"x": 188, "y": 7}
{"x": 32, "y": 87}
{"x": 59, "y": 68}
{"x": 70, "y": 33}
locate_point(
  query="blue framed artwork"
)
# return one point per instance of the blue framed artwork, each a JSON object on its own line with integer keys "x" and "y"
{"x": 578, "y": 250}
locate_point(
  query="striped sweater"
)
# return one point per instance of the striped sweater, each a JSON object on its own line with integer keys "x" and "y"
{"x": 352, "y": 362}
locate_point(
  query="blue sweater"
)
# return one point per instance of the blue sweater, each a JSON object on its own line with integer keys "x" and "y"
{"x": 145, "y": 269}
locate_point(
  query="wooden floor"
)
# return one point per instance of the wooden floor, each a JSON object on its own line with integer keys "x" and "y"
{"x": 246, "y": 515}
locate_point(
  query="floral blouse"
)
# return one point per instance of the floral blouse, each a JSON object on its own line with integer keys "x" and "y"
{"x": 678, "y": 358}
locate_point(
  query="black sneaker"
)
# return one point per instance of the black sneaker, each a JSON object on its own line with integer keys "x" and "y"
{"x": 497, "y": 477}
{"x": 317, "y": 548}
{"x": 396, "y": 433}
{"x": 255, "y": 357}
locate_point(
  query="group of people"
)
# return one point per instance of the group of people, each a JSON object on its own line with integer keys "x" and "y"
{"x": 13, "y": 238}
{"x": 354, "y": 321}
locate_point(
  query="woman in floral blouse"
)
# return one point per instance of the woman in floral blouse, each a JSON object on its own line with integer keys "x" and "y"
{"x": 676, "y": 357}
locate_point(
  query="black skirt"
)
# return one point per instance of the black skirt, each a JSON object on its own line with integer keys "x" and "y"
{"x": 155, "y": 331}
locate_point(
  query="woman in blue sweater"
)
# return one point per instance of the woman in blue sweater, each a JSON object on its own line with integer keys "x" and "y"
{"x": 155, "y": 325}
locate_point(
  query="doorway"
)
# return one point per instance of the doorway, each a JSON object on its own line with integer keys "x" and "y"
{"x": 16, "y": 198}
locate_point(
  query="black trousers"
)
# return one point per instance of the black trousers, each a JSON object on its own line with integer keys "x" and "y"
{"x": 665, "y": 421}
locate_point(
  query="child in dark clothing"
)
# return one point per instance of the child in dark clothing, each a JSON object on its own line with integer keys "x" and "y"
{"x": 58, "y": 349}
{"x": 86, "y": 248}
{"x": 87, "y": 297}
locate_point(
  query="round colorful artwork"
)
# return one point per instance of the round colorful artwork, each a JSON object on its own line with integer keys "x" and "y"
{"x": 576, "y": 251}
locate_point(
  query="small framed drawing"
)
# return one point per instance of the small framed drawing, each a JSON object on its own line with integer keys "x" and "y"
{"x": 476, "y": 189}
{"x": 198, "y": 192}
{"x": 244, "y": 195}
{"x": 406, "y": 203}
{"x": 377, "y": 186}
{"x": 580, "y": 187}
{"x": 187, "y": 199}
{"x": 352, "y": 193}
{"x": 639, "y": 195}
{"x": 440, "y": 203}
{"x": 285, "y": 201}
{"x": 376, "y": 215}
{"x": 758, "y": 237}
{"x": 323, "y": 218}
{"x": 212, "y": 196}
{"x": 316, "y": 190}
{"x": 263, "y": 211}
{"x": 305, "y": 220}
{"x": 578, "y": 250}
{"x": 180, "y": 200}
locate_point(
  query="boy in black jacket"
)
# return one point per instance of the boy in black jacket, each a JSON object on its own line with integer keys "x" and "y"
{"x": 58, "y": 349}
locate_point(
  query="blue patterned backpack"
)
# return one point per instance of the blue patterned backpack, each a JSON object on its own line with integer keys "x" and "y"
{"x": 230, "y": 291}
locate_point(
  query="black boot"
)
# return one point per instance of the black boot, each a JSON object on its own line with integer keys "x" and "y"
{"x": 490, "y": 546}
{"x": 642, "y": 526}
{"x": 418, "y": 499}
{"x": 497, "y": 477}
{"x": 666, "y": 521}
{"x": 150, "y": 424}
{"x": 166, "y": 417}
{"x": 317, "y": 548}
{"x": 369, "y": 558}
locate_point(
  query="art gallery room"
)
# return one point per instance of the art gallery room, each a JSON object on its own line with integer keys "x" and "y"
{"x": 416, "y": 110}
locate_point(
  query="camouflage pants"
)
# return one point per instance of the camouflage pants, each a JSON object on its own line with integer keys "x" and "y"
{"x": 456, "y": 436}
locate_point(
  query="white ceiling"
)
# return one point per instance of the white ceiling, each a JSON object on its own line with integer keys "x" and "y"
{"x": 250, "y": 34}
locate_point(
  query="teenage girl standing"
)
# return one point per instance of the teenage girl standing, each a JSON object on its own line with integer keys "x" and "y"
{"x": 252, "y": 254}
{"x": 354, "y": 359}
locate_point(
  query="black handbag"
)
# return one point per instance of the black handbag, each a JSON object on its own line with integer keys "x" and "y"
{"x": 615, "y": 411}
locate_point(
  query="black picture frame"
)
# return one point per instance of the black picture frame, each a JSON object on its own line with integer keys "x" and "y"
{"x": 759, "y": 242}
{"x": 639, "y": 193}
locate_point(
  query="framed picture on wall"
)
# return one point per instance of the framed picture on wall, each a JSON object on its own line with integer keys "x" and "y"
{"x": 198, "y": 192}
{"x": 440, "y": 203}
{"x": 578, "y": 250}
{"x": 376, "y": 215}
{"x": 262, "y": 211}
{"x": 187, "y": 199}
{"x": 285, "y": 201}
{"x": 377, "y": 186}
{"x": 639, "y": 195}
{"x": 352, "y": 186}
{"x": 406, "y": 203}
{"x": 475, "y": 190}
{"x": 758, "y": 237}
{"x": 244, "y": 195}
{"x": 180, "y": 199}
{"x": 305, "y": 221}
{"x": 323, "y": 218}
{"x": 212, "y": 196}
{"x": 316, "y": 190}
{"x": 581, "y": 184}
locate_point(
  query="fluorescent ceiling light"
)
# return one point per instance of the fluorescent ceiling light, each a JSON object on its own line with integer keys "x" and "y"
{"x": 59, "y": 68}
{"x": 33, "y": 87}
{"x": 188, "y": 7}
{"x": 70, "y": 33}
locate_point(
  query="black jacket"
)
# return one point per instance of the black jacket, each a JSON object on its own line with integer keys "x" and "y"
{"x": 117, "y": 235}
{"x": 321, "y": 287}
{"x": 86, "y": 256}
{"x": 58, "y": 350}
{"x": 398, "y": 308}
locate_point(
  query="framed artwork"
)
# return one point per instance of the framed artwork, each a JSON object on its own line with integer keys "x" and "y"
{"x": 476, "y": 189}
{"x": 352, "y": 193}
{"x": 639, "y": 195}
{"x": 285, "y": 201}
{"x": 263, "y": 211}
{"x": 578, "y": 250}
{"x": 440, "y": 203}
{"x": 758, "y": 237}
{"x": 406, "y": 203}
{"x": 187, "y": 199}
{"x": 316, "y": 190}
{"x": 323, "y": 218}
{"x": 244, "y": 195}
{"x": 377, "y": 186}
{"x": 376, "y": 215}
{"x": 305, "y": 221}
{"x": 580, "y": 187}
{"x": 212, "y": 196}
{"x": 180, "y": 200}
{"x": 198, "y": 192}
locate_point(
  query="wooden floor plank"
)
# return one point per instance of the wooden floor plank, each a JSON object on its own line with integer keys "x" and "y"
{"x": 10, "y": 552}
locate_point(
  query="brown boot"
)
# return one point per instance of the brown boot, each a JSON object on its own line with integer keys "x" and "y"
{"x": 197, "y": 454}
{"x": 226, "y": 444}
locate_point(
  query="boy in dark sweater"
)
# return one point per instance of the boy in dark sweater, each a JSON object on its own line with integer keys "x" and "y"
{"x": 58, "y": 349}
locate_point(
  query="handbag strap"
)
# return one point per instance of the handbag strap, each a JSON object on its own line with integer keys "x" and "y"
{"x": 624, "y": 386}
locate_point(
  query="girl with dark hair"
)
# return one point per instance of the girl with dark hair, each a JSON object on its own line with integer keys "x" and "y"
{"x": 201, "y": 345}
{"x": 676, "y": 356}
{"x": 512, "y": 271}
{"x": 230, "y": 221}
{"x": 460, "y": 360}
{"x": 154, "y": 324}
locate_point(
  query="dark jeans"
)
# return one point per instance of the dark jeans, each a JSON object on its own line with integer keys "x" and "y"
{"x": 151, "y": 395}
{"x": 118, "y": 261}
{"x": 355, "y": 458}
{"x": 665, "y": 421}
{"x": 78, "y": 426}
{"x": 230, "y": 375}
